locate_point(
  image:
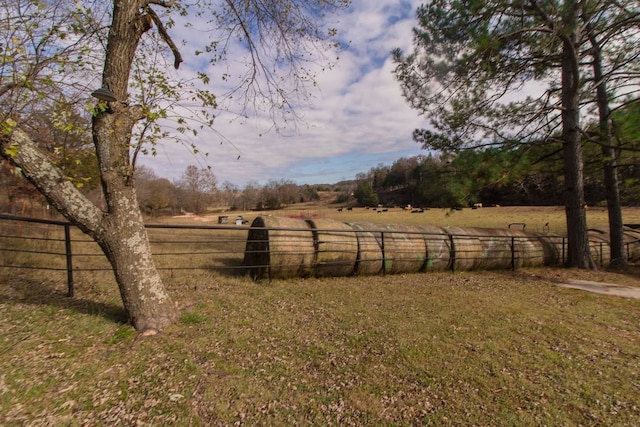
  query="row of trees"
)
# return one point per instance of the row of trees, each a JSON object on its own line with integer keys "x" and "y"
{"x": 197, "y": 190}
{"x": 523, "y": 175}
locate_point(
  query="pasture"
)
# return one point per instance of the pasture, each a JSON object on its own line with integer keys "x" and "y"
{"x": 466, "y": 348}
{"x": 537, "y": 218}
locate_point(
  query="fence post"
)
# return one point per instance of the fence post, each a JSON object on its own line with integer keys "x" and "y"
{"x": 563, "y": 254}
{"x": 67, "y": 244}
{"x": 384, "y": 259}
{"x": 268, "y": 249}
{"x": 452, "y": 253}
{"x": 513, "y": 253}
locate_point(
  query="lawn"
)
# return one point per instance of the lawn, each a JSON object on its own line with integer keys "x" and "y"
{"x": 483, "y": 348}
{"x": 465, "y": 348}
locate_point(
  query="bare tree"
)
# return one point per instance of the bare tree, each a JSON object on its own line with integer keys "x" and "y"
{"x": 154, "y": 194}
{"x": 229, "y": 194}
{"x": 197, "y": 187}
{"x": 52, "y": 49}
{"x": 250, "y": 195}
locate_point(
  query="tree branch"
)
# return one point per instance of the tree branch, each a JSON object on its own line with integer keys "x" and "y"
{"x": 163, "y": 3}
{"x": 164, "y": 34}
{"x": 7, "y": 87}
{"x": 50, "y": 181}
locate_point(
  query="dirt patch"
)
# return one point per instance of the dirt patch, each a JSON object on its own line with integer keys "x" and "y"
{"x": 603, "y": 288}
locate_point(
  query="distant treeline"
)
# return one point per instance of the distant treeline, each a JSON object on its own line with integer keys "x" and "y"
{"x": 492, "y": 176}
{"x": 524, "y": 174}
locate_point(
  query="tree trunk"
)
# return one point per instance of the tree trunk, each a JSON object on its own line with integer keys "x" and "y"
{"x": 120, "y": 233}
{"x": 119, "y": 230}
{"x": 614, "y": 208}
{"x": 125, "y": 240}
{"x": 610, "y": 164}
{"x": 578, "y": 253}
{"x": 126, "y": 245}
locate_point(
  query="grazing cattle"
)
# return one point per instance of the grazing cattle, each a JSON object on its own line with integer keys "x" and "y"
{"x": 339, "y": 209}
{"x": 477, "y": 205}
{"x": 349, "y": 208}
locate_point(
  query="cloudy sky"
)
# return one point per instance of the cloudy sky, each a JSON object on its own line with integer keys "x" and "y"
{"x": 355, "y": 119}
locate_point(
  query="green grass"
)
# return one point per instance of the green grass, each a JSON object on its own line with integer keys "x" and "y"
{"x": 483, "y": 348}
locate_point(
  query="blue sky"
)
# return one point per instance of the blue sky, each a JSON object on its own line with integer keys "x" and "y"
{"x": 355, "y": 119}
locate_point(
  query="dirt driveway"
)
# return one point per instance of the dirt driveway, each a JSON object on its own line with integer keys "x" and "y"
{"x": 603, "y": 288}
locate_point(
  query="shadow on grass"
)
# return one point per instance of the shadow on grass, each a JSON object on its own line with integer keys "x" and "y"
{"x": 230, "y": 266}
{"x": 20, "y": 290}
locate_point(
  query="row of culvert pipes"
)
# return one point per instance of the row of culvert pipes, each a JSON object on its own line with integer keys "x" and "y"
{"x": 283, "y": 247}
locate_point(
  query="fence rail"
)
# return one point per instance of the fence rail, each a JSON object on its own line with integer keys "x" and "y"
{"x": 58, "y": 246}
{"x": 50, "y": 245}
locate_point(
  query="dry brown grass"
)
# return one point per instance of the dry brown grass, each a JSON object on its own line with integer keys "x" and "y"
{"x": 536, "y": 218}
{"x": 481, "y": 348}
{"x": 495, "y": 348}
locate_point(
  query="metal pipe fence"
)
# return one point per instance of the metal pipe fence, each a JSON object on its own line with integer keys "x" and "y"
{"x": 58, "y": 246}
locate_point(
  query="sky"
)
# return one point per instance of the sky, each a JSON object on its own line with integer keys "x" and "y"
{"x": 355, "y": 119}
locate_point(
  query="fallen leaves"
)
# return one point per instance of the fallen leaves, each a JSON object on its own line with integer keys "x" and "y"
{"x": 479, "y": 347}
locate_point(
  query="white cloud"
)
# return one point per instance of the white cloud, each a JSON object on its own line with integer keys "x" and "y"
{"x": 356, "y": 116}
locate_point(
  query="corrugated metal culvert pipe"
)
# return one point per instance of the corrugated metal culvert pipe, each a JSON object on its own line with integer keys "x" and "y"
{"x": 283, "y": 247}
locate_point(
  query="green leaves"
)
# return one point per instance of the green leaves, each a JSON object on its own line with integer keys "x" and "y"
{"x": 12, "y": 150}
{"x": 7, "y": 126}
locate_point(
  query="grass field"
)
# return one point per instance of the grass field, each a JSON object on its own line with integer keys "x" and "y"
{"x": 535, "y": 218}
{"x": 482, "y": 348}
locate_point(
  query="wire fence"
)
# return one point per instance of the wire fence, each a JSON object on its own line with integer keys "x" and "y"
{"x": 281, "y": 252}
{"x": 61, "y": 248}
